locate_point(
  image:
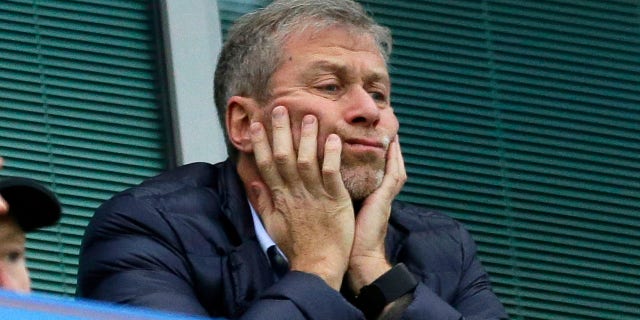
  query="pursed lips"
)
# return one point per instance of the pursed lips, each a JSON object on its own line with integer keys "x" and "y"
{"x": 367, "y": 144}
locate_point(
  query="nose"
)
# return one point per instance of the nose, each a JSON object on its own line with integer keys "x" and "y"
{"x": 363, "y": 110}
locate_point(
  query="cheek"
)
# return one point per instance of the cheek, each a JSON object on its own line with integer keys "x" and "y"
{"x": 15, "y": 277}
{"x": 22, "y": 274}
{"x": 391, "y": 121}
{"x": 326, "y": 125}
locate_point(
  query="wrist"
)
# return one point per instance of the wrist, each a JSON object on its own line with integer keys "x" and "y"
{"x": 332, "y": 280}
{"x": 364, "y": 273}
{"x": 332, "y": 274}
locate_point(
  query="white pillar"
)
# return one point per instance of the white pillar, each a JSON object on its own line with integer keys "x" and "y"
{"x": 193, "y": 38}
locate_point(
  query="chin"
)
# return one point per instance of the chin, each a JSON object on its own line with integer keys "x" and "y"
{"x": 361, "y": 181}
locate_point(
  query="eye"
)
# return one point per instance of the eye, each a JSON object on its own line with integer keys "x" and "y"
{"x": 15, "y": 256}
{"x": 378, "y": 96}
{"x": 330, "y": 87}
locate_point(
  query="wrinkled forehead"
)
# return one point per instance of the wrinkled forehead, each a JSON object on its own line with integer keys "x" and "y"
{"x": 358, "y": 38}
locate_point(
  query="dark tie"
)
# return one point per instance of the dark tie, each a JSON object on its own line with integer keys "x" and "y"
{"x": 279, "y": 265}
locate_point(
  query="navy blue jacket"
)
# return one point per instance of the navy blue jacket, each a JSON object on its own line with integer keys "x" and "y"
{"x": 184, "y": 241}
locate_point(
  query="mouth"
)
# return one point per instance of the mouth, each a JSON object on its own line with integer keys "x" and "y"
{"x": 366, "y": 145}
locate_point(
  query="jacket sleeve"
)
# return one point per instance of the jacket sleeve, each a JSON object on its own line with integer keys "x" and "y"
{"x": 301, "y": 295}
{"x": 130, "y": 255}
{"x": 474, "y": 299}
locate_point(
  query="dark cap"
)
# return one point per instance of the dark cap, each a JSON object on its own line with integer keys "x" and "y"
{"x": 30, "y": 203}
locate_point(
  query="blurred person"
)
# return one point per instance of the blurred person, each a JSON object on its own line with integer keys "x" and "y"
{"x": 25, "y": 205}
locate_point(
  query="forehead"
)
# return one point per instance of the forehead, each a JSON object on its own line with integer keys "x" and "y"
{"x": 10, "y": 231}
{"x": 334, "y": 46}
{"x": 339, "y": 35}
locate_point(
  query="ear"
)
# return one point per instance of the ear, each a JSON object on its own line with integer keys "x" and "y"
{"x": 240, "y": 112}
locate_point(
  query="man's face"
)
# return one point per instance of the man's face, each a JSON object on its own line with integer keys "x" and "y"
{"x": 340, "y": 78}
{"x": 13, "y": 267}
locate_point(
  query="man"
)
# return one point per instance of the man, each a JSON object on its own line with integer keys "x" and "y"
{"x": 25, "y": 205}
{"x": 301, "y": 222}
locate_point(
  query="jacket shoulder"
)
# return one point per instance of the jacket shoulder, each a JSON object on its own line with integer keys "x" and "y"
{"x": 431, "y": 243}
{"x": 184, "y": 204}
{"x": 189, "y": 176}
{"x": 411, "y": 218}
{"x": 192, "y": 188}
{"x": 170, "y": 228}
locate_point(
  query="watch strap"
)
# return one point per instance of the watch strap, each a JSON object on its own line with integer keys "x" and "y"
{"x": 390, "y": 286}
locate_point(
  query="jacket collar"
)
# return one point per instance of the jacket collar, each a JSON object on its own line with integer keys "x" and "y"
{"x": 233, "y": 201}
{"x": 249, "y": 272}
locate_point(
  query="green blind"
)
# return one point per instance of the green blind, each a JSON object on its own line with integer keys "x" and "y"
{"x": 230, "y": 10}
{"x": 79, "y": 111}
{"x": 522, "y": 120}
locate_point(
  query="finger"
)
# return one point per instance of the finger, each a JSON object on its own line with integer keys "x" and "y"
{"x": 394, "y": 157}
{"x": 271, "y": 219}
{"x": 395, "y": 173}
{"x": 283, "y": 153}
{"x": 398, "y": 154}
{"x": 331, "y": 167}
{"x": 4, "y": 206}
{"x": 263, "y": 156}
{"x": 308, "y": 154}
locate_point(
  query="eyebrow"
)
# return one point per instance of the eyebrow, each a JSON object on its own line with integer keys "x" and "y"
{"x": 342, "y": 71}
{"x": 325, "y": 65}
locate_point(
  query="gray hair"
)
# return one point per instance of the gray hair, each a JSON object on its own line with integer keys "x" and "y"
{"x": 253, "y": 48}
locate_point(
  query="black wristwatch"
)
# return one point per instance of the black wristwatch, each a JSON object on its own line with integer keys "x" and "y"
{"x": 388, "y": 287}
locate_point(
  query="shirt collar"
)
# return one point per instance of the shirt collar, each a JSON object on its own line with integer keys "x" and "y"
{"x": 263, "y": 237}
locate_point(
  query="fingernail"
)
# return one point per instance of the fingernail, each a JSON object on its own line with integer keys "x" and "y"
{"x": 308, "y": 119}
{"x": 333, "y": 138}
{"x": 278, "y": 112}
{"x": 255, "y": 127}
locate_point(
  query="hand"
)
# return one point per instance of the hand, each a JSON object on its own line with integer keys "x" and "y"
{"x": 368, "y": 260}
{"x": 4, "y": 206}
{"x": 307, "y": 211}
